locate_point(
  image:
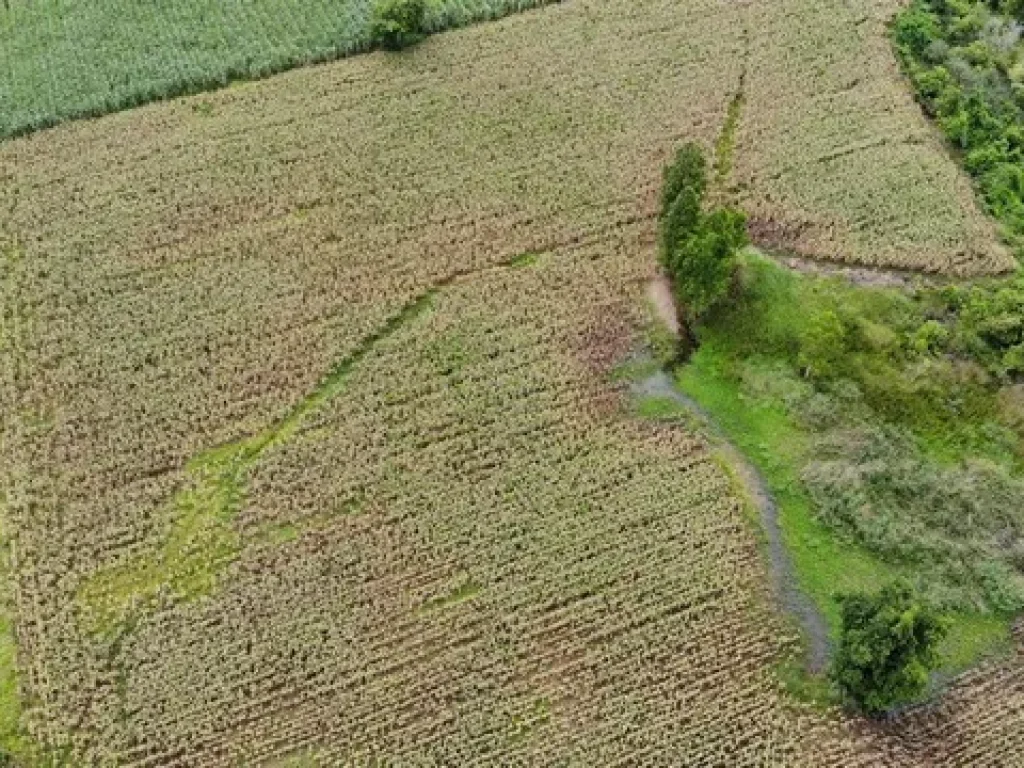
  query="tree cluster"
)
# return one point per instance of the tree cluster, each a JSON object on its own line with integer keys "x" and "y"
{"x": 698, "y": 249}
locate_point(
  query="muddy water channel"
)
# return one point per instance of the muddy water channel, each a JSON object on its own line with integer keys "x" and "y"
{"x": 786, "y": 585}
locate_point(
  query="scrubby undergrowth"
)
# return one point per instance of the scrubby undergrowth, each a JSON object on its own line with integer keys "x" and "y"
{"x": 966, "y": 61}
{"x": 890, "y": 426}
{"x": 912, "y": 408}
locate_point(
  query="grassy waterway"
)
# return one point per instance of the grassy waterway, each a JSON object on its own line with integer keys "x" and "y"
{"x": 724, "y": 384}
{"x": 202, "y": 539}
{"x": 825, "y": 564}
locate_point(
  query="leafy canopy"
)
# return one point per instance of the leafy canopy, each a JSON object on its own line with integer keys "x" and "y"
{"x": 698, "y": 250}
{"x": 704, "y": 261}
{"x": 397, "y": 24}
{"x": 887, "y": 648}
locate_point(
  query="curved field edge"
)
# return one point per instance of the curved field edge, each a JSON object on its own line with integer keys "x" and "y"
{"x": 65, "y": 61}
{"x": 658, "y": 397}
{"x": 965, "y": 63}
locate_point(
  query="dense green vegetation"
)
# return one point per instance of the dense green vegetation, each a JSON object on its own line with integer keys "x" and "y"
{"x": 827, "y": 565}
{"x": 966, "y": 61}
{"x": 912, "y": 411}
{"x": 888, "y": 648}
{"x": 889, "y": 424}
{"x": 890, "y": 427}
{"x": 64, "y": 59}
{"x": 397, "y": 24}
{"x": 698, "y": 248}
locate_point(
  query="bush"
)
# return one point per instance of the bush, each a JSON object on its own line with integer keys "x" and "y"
{"x": 887, "y": 648}
{"x": 915, "y": 30}
{"x": 876, "y": 486}
{"x": 678, "y": 222}
{"x": 823, "y": 344}
{"x": 397, "y": 24}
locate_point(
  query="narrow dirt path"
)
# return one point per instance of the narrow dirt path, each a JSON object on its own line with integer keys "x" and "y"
{"x": 659, "y": 292}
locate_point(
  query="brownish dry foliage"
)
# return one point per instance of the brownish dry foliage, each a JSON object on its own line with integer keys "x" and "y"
{"x": 462, "y": 554}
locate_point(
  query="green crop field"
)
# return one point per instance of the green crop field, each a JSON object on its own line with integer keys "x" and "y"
{"x": 312, "y": 450}
{"x": 62, "y": 59}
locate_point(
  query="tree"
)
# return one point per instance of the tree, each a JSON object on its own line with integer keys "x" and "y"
{"x": 678, "y": 222}
{"x": 687, "y": 171}
{"x": 916, "y": 29}
{"x": 703, "y": 263}
{"x": 698, "y": 250}
{"x": 396, "y": 24}
{"x": 887, "y": 647}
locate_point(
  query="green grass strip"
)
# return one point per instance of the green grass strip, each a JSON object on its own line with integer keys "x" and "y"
{"x": 202, "y": 540}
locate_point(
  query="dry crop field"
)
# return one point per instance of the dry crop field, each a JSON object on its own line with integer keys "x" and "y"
{"x": 309, "y": 446}
{"x": 63, "y": 59}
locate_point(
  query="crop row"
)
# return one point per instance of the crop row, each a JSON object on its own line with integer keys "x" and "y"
{"x": 64, "y": 60}
{"x": 857, "y": 173}
{"x": 194, "y": 274}
{"x": 527, "y": 573}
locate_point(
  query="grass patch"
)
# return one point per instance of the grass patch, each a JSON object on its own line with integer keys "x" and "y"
{"x": 466, "y": 591}
{"x": 814, "y": 690}
{"x": 769, "y": 439}
{"x": 726, "y": 144}
{"x": 661, "y": 409}
{"x": 753, "y": 373}
{"x": 202, "y": 540}
{"x": 527, "y": 259}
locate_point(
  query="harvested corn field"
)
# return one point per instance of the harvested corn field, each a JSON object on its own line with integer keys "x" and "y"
{"x": 473, "y": 553}
{"x": 978, "y": 722}
{"x": 306, "y": 402}
{"x": 832, "y": 159}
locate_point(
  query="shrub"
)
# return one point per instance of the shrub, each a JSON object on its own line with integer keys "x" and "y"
{"x": 887, "y": 648}
{"x": 822, "y": 344}
{"x": 397, "y": 24}
{"x": 931, "y": 337}
{"x": 678, "y": 223}
{"x": 915, "y": 30}
{"x": 1014, "y": 8}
